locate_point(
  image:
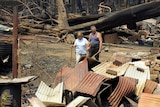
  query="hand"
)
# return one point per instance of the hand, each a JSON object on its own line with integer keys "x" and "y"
{"x": 99, "y": 51}
{"x": 88, "y": 48}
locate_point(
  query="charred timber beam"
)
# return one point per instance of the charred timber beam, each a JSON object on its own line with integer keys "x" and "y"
{"x": 6, "y": 39}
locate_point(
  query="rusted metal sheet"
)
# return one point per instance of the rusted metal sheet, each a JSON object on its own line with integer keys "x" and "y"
{"x": 142, "y": 76}
{"x": 61, "y": 75}
{"x": 90, "y": 83}
{"x": 72, "y": 77}
{"x": 124, "y": 87}
{"x": 150, "y": 86}
{"x": 149, "y": 100}
{"x": 50, "y": 96}
{"x": 80, "y": 101}
{"x": 103, "y": 67}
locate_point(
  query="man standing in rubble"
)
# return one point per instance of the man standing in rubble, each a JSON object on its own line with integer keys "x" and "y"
{"x": 95, "y": 43}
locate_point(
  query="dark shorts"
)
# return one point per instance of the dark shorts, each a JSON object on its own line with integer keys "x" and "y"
{"x": 93, "y": 51}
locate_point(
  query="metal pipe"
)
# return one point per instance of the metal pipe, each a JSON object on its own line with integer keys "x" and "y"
{"x": 15, "y": 42}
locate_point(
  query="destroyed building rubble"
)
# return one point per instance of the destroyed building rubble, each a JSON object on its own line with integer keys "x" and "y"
{"x": 121, "y": 82}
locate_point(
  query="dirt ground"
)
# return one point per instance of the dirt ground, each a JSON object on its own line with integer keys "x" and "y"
{"x": 44, "y": 59}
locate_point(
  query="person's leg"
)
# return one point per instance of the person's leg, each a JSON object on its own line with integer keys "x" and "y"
{"x": 91, "y": 52}
{"x": 97, "y": 56}
{"x": 77, "y": 58}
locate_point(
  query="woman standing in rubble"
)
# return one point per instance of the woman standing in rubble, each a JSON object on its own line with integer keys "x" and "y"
{"x": 81, "y": 46}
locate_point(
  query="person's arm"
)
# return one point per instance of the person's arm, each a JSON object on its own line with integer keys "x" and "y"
{"x": 74, "y": 45}
{"x": 88, "y": 45}
{"x": 100, "y": 42}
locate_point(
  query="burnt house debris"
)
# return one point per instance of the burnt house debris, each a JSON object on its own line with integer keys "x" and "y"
{"x": 93, "y": 89}
{"x": 123, "y": 80}
{"x": 10, "y": 88}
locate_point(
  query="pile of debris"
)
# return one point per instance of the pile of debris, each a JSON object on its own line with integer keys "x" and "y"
{"x": 145, "y": 32}
{"x": 122, "y": 81}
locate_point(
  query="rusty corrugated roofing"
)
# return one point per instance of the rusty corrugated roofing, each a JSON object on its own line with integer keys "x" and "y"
{"x": 60, "y": 76}
{"x": 142, "y": 76}
{"x": 103, "y": 67}
{"x": 90, "y": 83}
{"x": 50, "y": 96}
{"x": 149, "y": 100}
{"x": 150, "y": 86}
{"x": 124, "y": 87}
{"x": 72, "y": 77}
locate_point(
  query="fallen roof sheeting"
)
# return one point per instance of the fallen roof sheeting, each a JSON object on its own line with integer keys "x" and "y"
{"x": 50, "y": 96}
{"x": 103, "y": 67}
{"x": 149, "y": 100}
{"x": 124, "y": 87}
{"x": 72, "y": 77}
{"x": 91, "y": 83}
{"x": 60, "y": 76}
{"x": 142, "y": 76}
{"x": 150, "y": 86}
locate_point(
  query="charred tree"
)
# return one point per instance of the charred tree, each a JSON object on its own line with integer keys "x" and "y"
{"x": 62, "y": 15}
{"x": 125, "y": 16}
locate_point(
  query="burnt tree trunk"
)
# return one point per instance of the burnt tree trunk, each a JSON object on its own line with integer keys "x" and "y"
{"x": 62, "y": 15}
{"x": 125, "y": 16}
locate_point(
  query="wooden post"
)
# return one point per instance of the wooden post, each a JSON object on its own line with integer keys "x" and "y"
{"x": 15, "y": 42}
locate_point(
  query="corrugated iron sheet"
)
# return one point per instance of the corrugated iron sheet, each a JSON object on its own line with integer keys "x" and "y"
{"x": 149, "y": 100}
{"x": 90, "y": 83}
{"x": 141, "y": 76}
{"x": 124, "y": 87}
{"x": 103, "y": 67}
{"x": 60, "y": 76}
{"x": 150, "y": 86}
{"x": 50, "y": 96}
{"x": 72, "y": 77}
